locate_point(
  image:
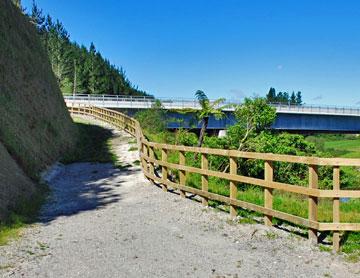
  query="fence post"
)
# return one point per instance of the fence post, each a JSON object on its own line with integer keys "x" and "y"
{"x": 336, "y": 208}
{"x": 204, "y": 178}
{"x": 152, "y": 156}
{"x": 182, "y": 174}
{"x": 313, "y": 201}
{"x": 268, "y": 196}
{"x": 233, "y": 186}
{"x": 145, "y": 152}
{"x": 164, "y": 169}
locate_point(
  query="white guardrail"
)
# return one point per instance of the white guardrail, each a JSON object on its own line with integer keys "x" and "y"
{"x": 143, "y": 102}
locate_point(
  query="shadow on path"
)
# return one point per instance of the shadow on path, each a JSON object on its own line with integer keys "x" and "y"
{"x": 82, "y": 187}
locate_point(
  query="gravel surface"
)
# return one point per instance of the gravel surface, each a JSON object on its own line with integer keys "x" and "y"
{"x": 106, "y": 222}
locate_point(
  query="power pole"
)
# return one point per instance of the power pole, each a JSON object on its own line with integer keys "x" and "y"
{"x": 75, "y": 77}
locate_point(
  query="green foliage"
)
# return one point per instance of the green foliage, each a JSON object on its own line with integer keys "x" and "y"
{"x": 253, "y": 116}
{"x": 351, "y": 246}
{"x": 153, "y": 120}
{"x": 208, "y": 108}
{"x": 185, "y": 138}
{"x": 78, "y": 69}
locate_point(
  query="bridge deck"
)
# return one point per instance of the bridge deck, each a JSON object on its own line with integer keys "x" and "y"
{"x": 303, "y": 118}
{"x": 182, "y": 103}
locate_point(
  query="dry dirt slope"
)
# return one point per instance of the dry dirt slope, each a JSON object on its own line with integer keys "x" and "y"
{"x": 34, "y": 124}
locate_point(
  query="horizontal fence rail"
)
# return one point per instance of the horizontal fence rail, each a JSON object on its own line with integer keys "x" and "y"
{"x": 150, "y": 162}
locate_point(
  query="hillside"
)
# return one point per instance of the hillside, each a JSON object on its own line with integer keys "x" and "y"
{"x": 35, "y": 127}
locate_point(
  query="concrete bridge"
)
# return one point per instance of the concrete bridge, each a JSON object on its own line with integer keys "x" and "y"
{"x": 299, "y": 118}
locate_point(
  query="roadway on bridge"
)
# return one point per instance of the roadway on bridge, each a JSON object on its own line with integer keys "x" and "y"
{"x": 293, "y": 118}
{"x": 103, "y": 221}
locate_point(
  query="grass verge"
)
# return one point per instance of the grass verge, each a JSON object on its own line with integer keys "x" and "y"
{"x": 24, "y": 214}
{"x": 93, "y": 145}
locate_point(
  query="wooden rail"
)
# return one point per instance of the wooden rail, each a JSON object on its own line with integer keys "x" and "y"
{"x": 312, "y": 192}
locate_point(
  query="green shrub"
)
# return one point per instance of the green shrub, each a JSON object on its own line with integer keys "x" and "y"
{"x": 186, "y": 138}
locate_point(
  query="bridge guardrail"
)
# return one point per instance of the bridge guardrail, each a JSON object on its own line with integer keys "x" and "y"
{"x": 149, "y": 163}
{"x": 123, "y": 101}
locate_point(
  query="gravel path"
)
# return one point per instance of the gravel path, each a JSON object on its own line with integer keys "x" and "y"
{"x": 107, "y": 222}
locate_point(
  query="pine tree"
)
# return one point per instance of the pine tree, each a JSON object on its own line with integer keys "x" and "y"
{"x": 298, "y": 98}
{"x": 285, "y": 98}
{"x": 293, "y": 98}
{"x": 271, "y": 95}
{"x": 77, "y": 69}
{"x": 17, "y": 3}
{"x": 37, "y": 18}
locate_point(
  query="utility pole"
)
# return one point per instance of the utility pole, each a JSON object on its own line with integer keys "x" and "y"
{"x": 75, "y": 77}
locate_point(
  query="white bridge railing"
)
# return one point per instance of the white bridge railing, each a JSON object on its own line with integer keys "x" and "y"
{"x": 143, "y": 102}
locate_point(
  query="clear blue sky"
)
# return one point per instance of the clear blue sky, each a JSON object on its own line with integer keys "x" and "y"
{"x": 227, "y": 48}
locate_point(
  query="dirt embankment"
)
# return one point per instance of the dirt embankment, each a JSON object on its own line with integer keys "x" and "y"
{"x": 35, "y": 127}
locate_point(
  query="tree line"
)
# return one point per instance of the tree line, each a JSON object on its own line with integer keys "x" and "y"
{"x": 284, "y": 97}
{"x": 78, "y": 69}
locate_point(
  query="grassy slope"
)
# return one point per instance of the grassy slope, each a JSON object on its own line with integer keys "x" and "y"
{"x": 34, "y": 125}
{"x": 349, "y": 147}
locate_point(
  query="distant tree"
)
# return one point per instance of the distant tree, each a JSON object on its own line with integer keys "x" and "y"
{"x": 93, "y": 68}
{"x": 293, "y": 98}
{"x": 37, "y": 18}
{"x": 298, "y": 98}
{"x": 207, "y": 109}
{"x": 280, "y": 97}
{"x": 271, "y": 95}
{"x": 77, "y": 68}
{"x": 283, "y": 97}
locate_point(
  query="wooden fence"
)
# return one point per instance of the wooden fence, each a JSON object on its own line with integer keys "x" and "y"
{"x": 312, "y": 193}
